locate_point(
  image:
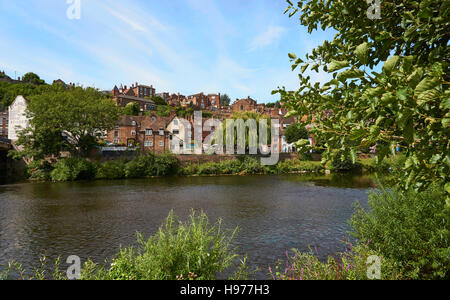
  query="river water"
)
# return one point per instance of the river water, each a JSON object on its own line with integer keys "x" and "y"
{"x": 93, "y": 219}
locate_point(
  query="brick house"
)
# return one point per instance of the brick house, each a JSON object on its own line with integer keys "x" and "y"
{"x": 136, "y": 93}
{"x": 247, "y": 105}
{"x": 146, "y": 132}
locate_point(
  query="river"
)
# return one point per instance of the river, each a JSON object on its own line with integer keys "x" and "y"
{"x": 93, "y": 219}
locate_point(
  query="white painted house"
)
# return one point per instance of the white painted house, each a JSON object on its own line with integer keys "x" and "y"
{"x": 181, "y": 131}
{"x": 17, "y": 117}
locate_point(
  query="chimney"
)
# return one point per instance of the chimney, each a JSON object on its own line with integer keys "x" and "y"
{"x": 172, "y": 114}
{"x": 136, "y": 84}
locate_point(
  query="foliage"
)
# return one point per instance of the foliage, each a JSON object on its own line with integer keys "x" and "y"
{"x": 71, "y": 169}
{"x": 274, "y": 105}
{"x": 296, "y": 132}
{"x": 341, "y": 162}
{"x": 114, "y": 169}
{"x": 351, "y": 265}
{"x": 225, "y": 100}
{"x": 131, "y": 109}
{"x": 32, "y": 78}
{"x": 411, "y": 229}
{"x": 159, "y": 101}
{"x": 72, "y": 119}
{"x": 194, "y": 249}
{"x": 164, "y": 165}
{"x": 39, "y": 170}
{"x": 406, "y": 102}
{"x": 139, "y": 167}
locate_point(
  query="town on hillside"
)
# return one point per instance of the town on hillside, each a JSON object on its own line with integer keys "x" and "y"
{"x": 151, "y": 132}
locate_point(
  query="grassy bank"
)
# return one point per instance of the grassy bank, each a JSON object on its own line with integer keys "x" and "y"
{"x": 144, "y": 166}
{"x": 72, "y": 169}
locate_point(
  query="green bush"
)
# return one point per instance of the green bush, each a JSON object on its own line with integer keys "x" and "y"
{"x": 164, "y": 165}
{"x": 409, "y": 228}
{"x": 71, "y": 169}
{"x": 39, "y": 170}
{"x": 140, "y": 167}
{"x": 341, "y": 162}
{"x": 114, "y": 169}
{"x": 195, "y": 249}
{"x": 350, "y": 265}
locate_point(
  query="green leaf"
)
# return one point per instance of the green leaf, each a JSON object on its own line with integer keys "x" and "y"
{"x": 337, "y": 65}
{"x": 361, "y": 52}
{"x": 357, "y": 134}
{"x": 390, "y": 64}
{"x": 426, "y": 84}
{"x": 292, "y": 56}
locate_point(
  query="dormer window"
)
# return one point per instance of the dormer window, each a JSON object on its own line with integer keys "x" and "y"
{"x": 133, "y": 123}
{"x": 149, "y": 132}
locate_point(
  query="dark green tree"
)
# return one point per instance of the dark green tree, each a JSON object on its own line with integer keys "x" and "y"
{"x": 32, "y": 78}
{"x": 295, "y": 133}
{"x": 225, "y": 100}
{"x": 71, "y": 120}
{"x": 131, "y": 109}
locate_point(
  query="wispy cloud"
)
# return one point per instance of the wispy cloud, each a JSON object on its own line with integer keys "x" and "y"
{"x": 267, "y": 37}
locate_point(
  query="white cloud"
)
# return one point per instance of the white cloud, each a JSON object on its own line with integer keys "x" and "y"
{"x": 267, "y": 37}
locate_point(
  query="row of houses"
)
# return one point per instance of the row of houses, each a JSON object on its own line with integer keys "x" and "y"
{"x": 143, "y": 94}
{"x": 149, "y": 133}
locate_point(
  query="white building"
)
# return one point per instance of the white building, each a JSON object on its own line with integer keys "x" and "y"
{"x": 17, "y": 117}
{"x": 181, "y": 131}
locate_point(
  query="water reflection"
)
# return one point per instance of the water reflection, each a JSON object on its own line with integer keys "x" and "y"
{"x": 92, "y": 219}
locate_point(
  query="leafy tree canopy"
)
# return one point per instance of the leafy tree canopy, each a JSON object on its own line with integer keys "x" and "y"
{"x": 72, "y": 120}
{"x": 389, "y": 82}
{"x": 32, "y": 78}
{"x": 295, "y": 133}
{"x": 131, "y": 109}
{"x": 225, "y": 100}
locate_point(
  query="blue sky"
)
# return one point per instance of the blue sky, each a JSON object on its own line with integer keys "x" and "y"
{"x": 238, "y": 47}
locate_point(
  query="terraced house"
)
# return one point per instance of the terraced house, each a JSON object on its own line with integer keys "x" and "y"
{"x": 148, "y": 133}
{"x": 4, "y": 123}
{"x": 138, "y": 93}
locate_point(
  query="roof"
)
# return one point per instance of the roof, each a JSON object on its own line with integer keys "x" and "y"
{"x": 135, "y": 98}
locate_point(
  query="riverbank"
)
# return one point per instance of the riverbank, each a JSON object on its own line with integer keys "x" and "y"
{"x": 148, "y": 166}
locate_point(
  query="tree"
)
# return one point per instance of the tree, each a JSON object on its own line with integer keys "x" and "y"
{"x": 132, "y": 109}
{"x": 159, "y": 101}
{"x": 225, "y": 100}
{"x": 405, "y": 103}
{"x": 72, "y": 120}
{"x": 32, "y": 78}
{"x": 295, "y": 133}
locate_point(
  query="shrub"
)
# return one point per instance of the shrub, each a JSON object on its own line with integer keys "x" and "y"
{"x": 351, "y": 265}
{"x": 341, "y": 162}
{"x": 71, "y": 169}
{"x": 140, "y": 167}
{"x": 39, "y": 170}
{"x": 191, "y": 250}
{"x": 114, "y": 169}
{"x": 410, "y": 228}
{"x": 164, "y": 165}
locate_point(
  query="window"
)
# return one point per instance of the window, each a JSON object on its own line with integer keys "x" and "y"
{"x": 176, "y": 132}
{"x": 117, "y": 126}
{"x": 133, "y": 123}
{"x": 148, "y": 144}
{"x": 116, "y": 134}
{"x": 116, "y": 141}
{"x": 153, "y": 119}
{"x": 133, "y": 132}
{"x": 161, "y": 132}
{"x": 161, "y": 143}
{"x": 175, "y": 122}
{"x": 149, "y": 132}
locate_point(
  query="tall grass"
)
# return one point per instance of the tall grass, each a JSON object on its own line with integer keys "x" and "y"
{"x": 179, "y": 250}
